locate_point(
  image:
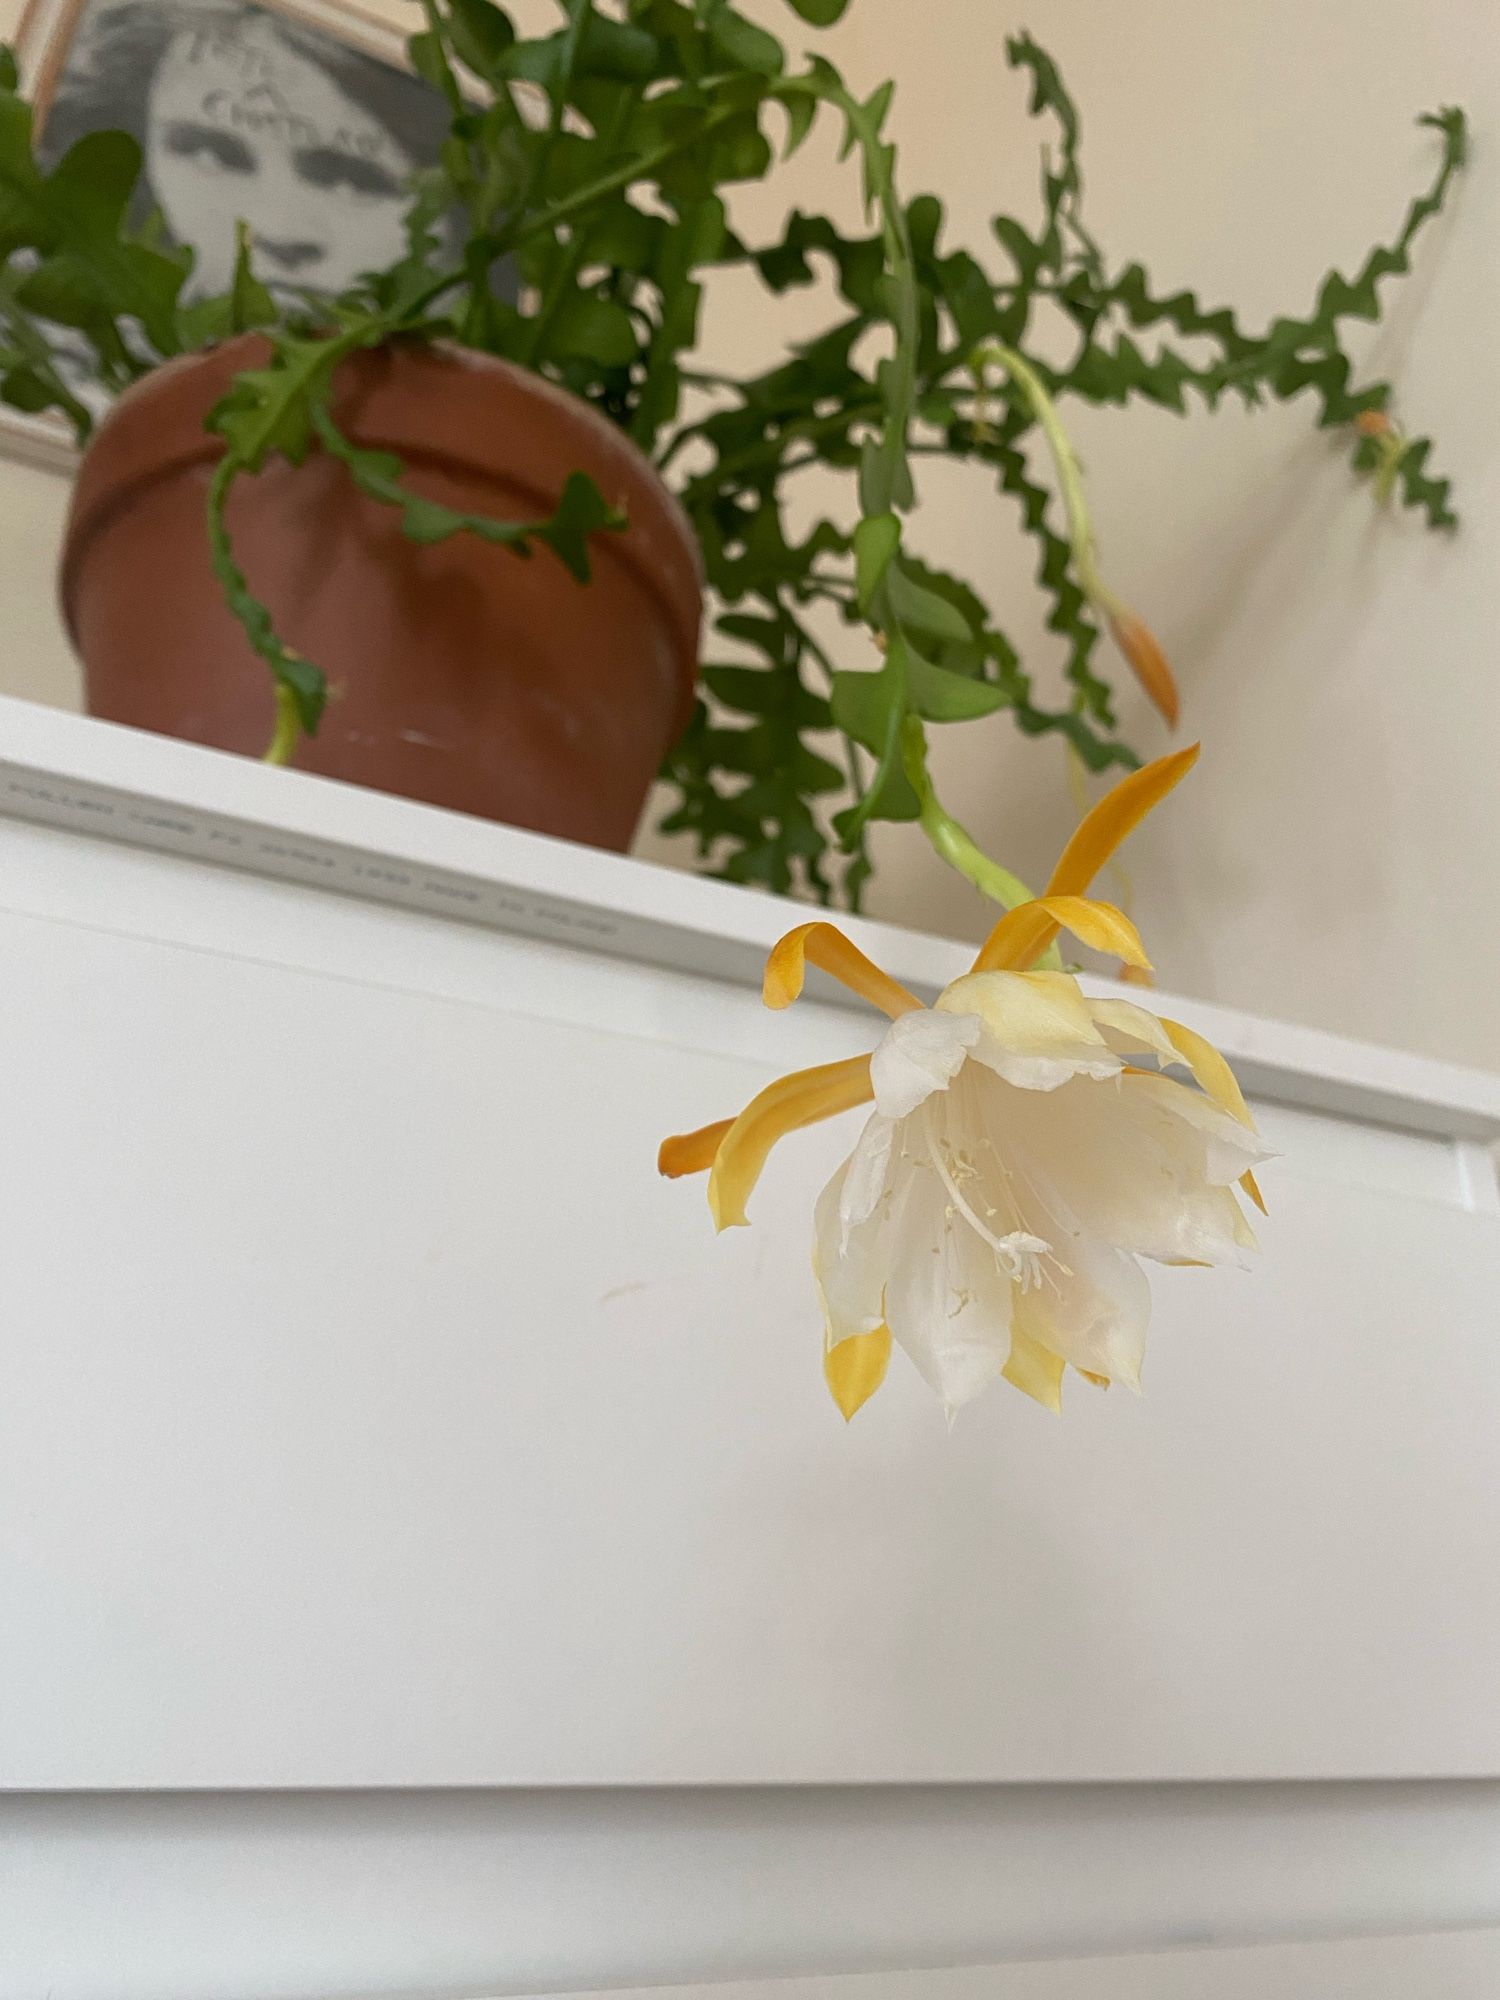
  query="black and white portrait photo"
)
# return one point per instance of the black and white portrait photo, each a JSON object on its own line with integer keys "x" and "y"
{"x": 303, "y": 123}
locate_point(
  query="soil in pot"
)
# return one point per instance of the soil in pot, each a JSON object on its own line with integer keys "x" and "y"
{"x": 461, "y": 674}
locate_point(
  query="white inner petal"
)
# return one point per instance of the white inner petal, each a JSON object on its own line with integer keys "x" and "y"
{"x": 961, "y": 1154}
{"x": 867, "y": 1175}
{"x": 849, "y": 1265}
{"x": 1134, "y": 1165}
{"x": 1217, "y": 1141}
{"x": 919, "y": 1053}
{"x": 947, "y": 1301}
{"x": 1076, "y": 1290}
{"x": 1049, "y": 1072}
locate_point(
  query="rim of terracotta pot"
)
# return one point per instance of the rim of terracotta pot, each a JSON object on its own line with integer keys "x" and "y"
{"x": 155, "y": 430}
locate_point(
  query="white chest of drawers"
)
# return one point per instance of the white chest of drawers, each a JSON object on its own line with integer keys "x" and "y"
{"x": 374, "y": 1417}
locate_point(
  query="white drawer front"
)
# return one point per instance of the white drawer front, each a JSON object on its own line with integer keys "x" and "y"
{"x": 372, "y": 1414}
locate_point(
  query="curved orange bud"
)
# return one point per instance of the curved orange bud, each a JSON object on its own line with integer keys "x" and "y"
{"x": 1148, "y": 662}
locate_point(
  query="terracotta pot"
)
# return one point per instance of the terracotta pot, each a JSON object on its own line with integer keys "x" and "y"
{"x": 462, "y": 674}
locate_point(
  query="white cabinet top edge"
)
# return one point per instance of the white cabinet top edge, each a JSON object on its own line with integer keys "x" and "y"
{"x": 124, "y": 785}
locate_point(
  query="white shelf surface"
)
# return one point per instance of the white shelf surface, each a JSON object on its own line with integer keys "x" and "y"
{"x": 124, "y": 785}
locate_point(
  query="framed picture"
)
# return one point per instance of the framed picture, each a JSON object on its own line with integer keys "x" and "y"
{"x": 299, "y": 117}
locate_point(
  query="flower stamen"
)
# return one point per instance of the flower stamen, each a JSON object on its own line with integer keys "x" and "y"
{"x": 1022, "y": 1255}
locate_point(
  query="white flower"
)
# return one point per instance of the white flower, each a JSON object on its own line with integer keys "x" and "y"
{"x": 1016, "y": 1165}
{"x": 1014, "y": 1169}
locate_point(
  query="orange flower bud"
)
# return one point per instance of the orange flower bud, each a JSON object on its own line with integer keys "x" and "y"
{"x": 1148, "y": 662}
{"x": 1373, "y": 424}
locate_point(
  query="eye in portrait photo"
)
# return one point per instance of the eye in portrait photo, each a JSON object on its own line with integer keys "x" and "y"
{"x": 306, "y": 125}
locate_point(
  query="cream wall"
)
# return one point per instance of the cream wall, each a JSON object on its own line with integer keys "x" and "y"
{"x": 1335, "y": 859}
{"x": 35, "y": 658}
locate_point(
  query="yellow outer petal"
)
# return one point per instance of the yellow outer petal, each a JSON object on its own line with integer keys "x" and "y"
{"x": 1026, "y": 931}
{"x": 1133, "y": 1028}
{"x": 803, "y": 1098}
{"x": 855, "y": 1369}
{"x": 691, "y": 1152}
{"x": 825, "y": 946}
{"x": 1097, "y": 836}
{"x": 1210, "y": 1069}
{"x": 1035, "y": 1370}
{"x": 1032, "y": 1013}
{"x": 1252, "y": 1188}
{"x": 1117, "y": 814}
